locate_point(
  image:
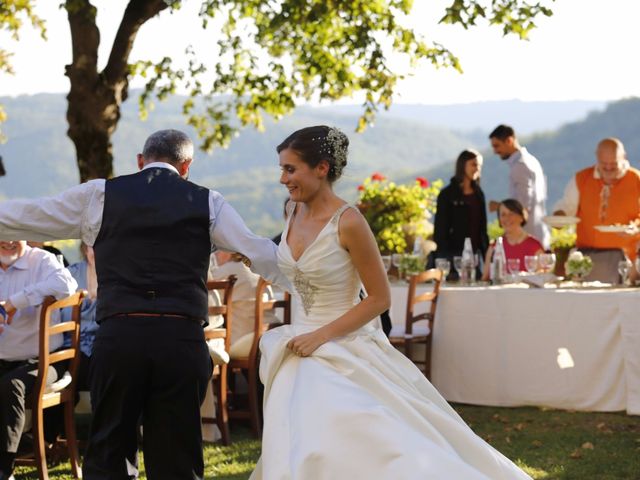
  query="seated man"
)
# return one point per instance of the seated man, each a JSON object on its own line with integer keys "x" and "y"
{"x": 607, "y": 193}
{"x": 27, "y": 276}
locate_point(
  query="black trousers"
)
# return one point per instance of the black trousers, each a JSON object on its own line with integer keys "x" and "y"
{"x": 17, "y": 379}
{"x": 156, "y": 369}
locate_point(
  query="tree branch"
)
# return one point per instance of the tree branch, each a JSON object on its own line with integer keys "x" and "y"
{"x": 135, "y": 15}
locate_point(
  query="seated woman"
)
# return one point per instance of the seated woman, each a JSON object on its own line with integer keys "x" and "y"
{"x": 517, "y": 243}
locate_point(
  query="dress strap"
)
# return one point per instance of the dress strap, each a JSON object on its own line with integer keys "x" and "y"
{"x": 339, "y": 212}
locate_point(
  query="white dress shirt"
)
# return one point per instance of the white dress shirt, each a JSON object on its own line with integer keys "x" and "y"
{"x": 528, "y": 185}
{"x": 34, "y": 276}
{"x": 77, "y": 213}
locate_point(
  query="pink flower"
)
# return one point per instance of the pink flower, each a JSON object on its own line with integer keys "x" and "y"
{"x": 360, "y": 188}
{"x": 424, "y": 183}
{"x": 378, "y": 177}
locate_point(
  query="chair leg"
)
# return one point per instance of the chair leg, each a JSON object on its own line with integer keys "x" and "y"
{"x": 253, "y": 402}
{"x": 72, "y": 441}
{"x": 219, "y": 387}
{"x": 39, "y": 444}
{"x": 427, "y": 360}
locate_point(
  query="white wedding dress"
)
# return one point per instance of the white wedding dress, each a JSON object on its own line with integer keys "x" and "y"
{"x": 356, "y": 409}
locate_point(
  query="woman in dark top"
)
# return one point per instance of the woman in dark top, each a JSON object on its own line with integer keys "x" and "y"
{"x": 461, "y": 210}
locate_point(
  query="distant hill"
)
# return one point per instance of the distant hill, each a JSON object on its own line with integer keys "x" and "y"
{"x": 39, "y": 157}
{"x": 476, "y": 120}
{"x": 40, "y": 160}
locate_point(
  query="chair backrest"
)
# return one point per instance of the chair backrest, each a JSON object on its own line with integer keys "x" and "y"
{"x": 262, "y": 306}
{"x": 225, "y": 288}
{"x": 434, "y": 274}
{"x": 46, "y": 358}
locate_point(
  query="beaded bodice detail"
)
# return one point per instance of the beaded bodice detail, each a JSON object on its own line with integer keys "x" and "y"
{"x": 325, "y": 281}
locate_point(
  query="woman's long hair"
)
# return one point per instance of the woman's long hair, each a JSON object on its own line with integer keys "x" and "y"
{"x": 463, "y": 158}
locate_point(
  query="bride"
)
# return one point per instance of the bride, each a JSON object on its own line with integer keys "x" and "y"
{"x": 340, "y": 401}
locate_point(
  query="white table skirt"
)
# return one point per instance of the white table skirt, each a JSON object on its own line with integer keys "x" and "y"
{"x": 568, "y": 349}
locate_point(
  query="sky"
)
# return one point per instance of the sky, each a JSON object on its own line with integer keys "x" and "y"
{"x": 585, "y": 51}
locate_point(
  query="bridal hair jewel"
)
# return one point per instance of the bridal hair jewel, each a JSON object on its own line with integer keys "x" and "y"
{"x": 334, "y": 145}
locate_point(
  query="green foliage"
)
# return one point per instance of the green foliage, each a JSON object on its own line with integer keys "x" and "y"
{"x": 397, "y": 213}
{"x": 516, "y": 17}
{"x": 274, "y": 54}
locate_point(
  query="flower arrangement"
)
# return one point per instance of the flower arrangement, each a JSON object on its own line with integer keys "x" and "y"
{"x": 578, "y": 265}
{"x": 410, "y": 263}
{"x": 398, "y": 213}
{"x": 563, "y": 238}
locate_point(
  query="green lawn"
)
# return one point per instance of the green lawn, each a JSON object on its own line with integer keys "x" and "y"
{"x": 548, "y": 444}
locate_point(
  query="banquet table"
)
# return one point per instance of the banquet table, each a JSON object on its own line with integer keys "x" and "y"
{"x": 571, "y": 348}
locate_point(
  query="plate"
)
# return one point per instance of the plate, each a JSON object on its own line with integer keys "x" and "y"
{"x": 616, "y": 228}
{"x": 559, "y": 221}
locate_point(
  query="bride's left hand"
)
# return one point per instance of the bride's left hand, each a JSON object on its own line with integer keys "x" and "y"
{"x": 304, "y": 345}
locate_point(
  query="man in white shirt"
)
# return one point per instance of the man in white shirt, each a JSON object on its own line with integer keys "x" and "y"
{"x": 27, "y": 276}
{"x": 527, "y": 182}
{"x": 152, "y": 233}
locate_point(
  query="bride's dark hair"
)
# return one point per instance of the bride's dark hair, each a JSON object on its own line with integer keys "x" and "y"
{"x": 317, "y": 143}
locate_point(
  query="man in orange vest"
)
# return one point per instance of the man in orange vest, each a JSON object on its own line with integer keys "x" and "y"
{"x": 607, "y": 193}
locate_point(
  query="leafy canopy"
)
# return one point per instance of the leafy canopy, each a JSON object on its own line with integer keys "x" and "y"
{"x": 271, "y": 54}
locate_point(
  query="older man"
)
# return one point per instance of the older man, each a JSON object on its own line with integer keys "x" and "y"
{"x": 27, "y": 276}
{"x": 152, "y": 234}
{"x": 607, "y": 193}
{"x": 527, "y": 182}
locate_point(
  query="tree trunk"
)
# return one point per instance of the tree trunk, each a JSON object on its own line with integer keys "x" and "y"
{"x": 93, "y": 113}
{"x": 94, "y": 99}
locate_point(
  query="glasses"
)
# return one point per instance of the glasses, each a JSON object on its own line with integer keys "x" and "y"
{"x": 513, "y": 265}
{"x": 531, "y": 263}
{"x": 443, "y": 265}
{"x": 624, "y": 267}
{"x": 547, "y": 261}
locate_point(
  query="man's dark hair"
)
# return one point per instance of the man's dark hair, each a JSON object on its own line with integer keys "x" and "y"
{"x": 502, "y": 132}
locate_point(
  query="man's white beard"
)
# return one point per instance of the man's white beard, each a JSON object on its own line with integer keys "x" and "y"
{"x": 8, "y": 260}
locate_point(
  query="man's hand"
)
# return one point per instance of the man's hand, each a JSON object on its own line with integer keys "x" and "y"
{"x": 493, "y": 206}
{"x": 10, "y": 312}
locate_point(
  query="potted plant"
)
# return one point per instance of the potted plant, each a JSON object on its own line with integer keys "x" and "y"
{"x": 398, "y": 213}
{"x": 562, "y": 241}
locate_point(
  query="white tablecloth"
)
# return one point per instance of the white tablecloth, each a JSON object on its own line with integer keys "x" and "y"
{"x": 569, "y": 349}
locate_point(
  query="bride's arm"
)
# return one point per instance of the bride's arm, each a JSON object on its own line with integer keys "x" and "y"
{"x": 357, "y": 239}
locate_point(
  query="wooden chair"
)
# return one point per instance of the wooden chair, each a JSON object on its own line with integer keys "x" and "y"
{"x": 219, "y": 380}
{"x": 405, "y": 338}
{"x": 246, "y": 359}
{"x": 61, "y": 392}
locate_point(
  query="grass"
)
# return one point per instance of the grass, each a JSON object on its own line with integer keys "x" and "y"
{"x": 547, "y": 444}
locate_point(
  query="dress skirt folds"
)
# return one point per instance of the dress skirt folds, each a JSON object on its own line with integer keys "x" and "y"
{"x": 356, "y": 409}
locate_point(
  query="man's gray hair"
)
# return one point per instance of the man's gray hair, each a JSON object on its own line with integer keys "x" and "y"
{"x": 173, "y": 146}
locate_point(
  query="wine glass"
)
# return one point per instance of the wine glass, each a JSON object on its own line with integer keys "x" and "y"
{"x": 396, "y": 260}
{"x": 624, "y": 266}
{"x": 457, "y": 264}
{"x": 547, "y": 261}
{"x": 386, "y": 262}
{"x": 443, "y": 265}
{"x": 531, "y": 263}
{"x": 513, "y": 265}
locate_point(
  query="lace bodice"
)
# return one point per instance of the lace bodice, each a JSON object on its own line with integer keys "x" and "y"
{"x": 326, "y": 284}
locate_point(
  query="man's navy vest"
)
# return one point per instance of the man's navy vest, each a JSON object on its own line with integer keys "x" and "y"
{"x": 152, "y": 252}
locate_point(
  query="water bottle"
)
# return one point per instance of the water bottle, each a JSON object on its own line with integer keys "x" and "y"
{"x": 498, "y": 263}
{"x": 467, "y": 275}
